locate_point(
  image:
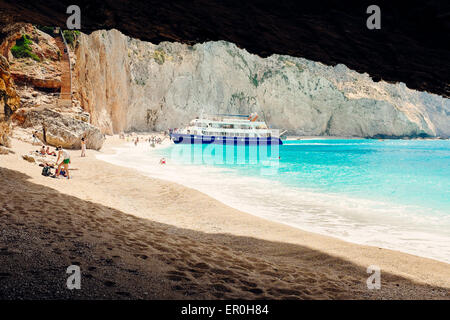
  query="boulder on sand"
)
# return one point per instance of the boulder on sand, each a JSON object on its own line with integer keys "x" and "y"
{"x": 5, "y": 131}
{"x": 4, "y": 150}
{"x": 57, "y": 129}
{"x": 28, "y": 158}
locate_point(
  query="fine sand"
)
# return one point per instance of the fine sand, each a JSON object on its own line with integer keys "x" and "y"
{"x": 138, "y": 237}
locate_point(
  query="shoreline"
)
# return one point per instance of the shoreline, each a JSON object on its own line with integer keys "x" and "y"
{"x": 215, "y": 228}
{"x": 343, "y": 227}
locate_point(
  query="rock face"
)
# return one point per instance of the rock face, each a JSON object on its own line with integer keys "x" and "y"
{"x": 30, "y": 100}
{"x": 36, "y": 81}
{"x": 45, "y": 71}
{"x": 103, "y": 81}
{"x": 5, "y": 131}
{"x": 128, "y": 84}
{"x": 56, "y": 129}
{"x": 9, "y": 99}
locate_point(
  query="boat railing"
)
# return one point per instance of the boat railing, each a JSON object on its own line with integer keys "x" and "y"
{"x": 222, "y": 116}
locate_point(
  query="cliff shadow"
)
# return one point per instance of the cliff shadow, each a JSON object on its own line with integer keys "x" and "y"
{"x": 121, "y": 256}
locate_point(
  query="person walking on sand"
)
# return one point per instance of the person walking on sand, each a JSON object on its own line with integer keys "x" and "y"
{"x": 83, "y": 147}
{"x": 65, "y": 161}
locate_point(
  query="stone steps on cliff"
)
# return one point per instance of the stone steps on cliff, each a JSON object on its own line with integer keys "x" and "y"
{"x": 65, "y": 71}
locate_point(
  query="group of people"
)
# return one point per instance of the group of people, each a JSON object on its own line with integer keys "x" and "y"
{"x": 153, "y": 140}
{"x": 63, "y": 158}
{"x": 46, "y": 151}
{"x": 63, "y": 165}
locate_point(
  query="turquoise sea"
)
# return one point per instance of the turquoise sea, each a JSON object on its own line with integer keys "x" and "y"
{"x": 392, "y": 193}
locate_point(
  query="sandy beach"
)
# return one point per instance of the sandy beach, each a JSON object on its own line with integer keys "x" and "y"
{"x": 136, "y": 237}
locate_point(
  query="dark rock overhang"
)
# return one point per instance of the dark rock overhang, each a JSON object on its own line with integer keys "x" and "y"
{"x": 412, "y": 46}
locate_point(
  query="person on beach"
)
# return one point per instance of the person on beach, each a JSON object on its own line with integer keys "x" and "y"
{"x": 83, "y": 147}
{"x": 43, "y": 152}
{"x": 50, "y": 153}
{"x": 65, "y": 162}
{"x": 63, "y": 173}
{"x": 35, "y": 138}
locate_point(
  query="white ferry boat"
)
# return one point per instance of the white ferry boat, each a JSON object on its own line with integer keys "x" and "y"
{"x": 227, "y": 129}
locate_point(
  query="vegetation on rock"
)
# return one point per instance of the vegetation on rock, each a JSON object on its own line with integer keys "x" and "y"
{"x": 71, "y": 36}
{"x": 159, "y": 56}
{"x": 22, "y": 48}
{"x": 48, "y": 30}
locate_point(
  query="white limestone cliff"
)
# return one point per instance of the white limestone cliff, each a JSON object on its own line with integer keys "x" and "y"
{"x": 127, "y": 84}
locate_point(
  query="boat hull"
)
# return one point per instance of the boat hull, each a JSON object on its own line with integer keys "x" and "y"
{"x": 200, "y": 139}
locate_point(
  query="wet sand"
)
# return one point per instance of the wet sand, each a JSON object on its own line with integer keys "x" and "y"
{"x": 138, "y": 237}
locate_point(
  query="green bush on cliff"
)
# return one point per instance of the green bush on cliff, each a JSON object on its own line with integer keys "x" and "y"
{"x": 159, "y": 56}
{"x": 22, "y": 48}
{"x": 46, "y": 29}
{"x": 71, "y": 36}
{"x": 254, "y": 79}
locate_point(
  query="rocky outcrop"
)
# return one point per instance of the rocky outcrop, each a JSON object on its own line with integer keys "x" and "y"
{"x": 35, "y": 70}
{"x": 102, "y": 80}
{"x": 43, "y": 72}
{"x": 28, "y": 158}
{"x": 3, "y": 150}
{"x": 23, "y": 77}
{"x": 56, "y": 129}
{"x": 127, "y": 84}
{"x": 42, "y": 44}
{"x": 5, "y": 132}
{"x": 10, "y": 33}
{"x": 9, "y": 99}
{"x": 31, "y": 100}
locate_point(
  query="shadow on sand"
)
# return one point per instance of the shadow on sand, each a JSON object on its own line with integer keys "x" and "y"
{"x": 124, "y": 257}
